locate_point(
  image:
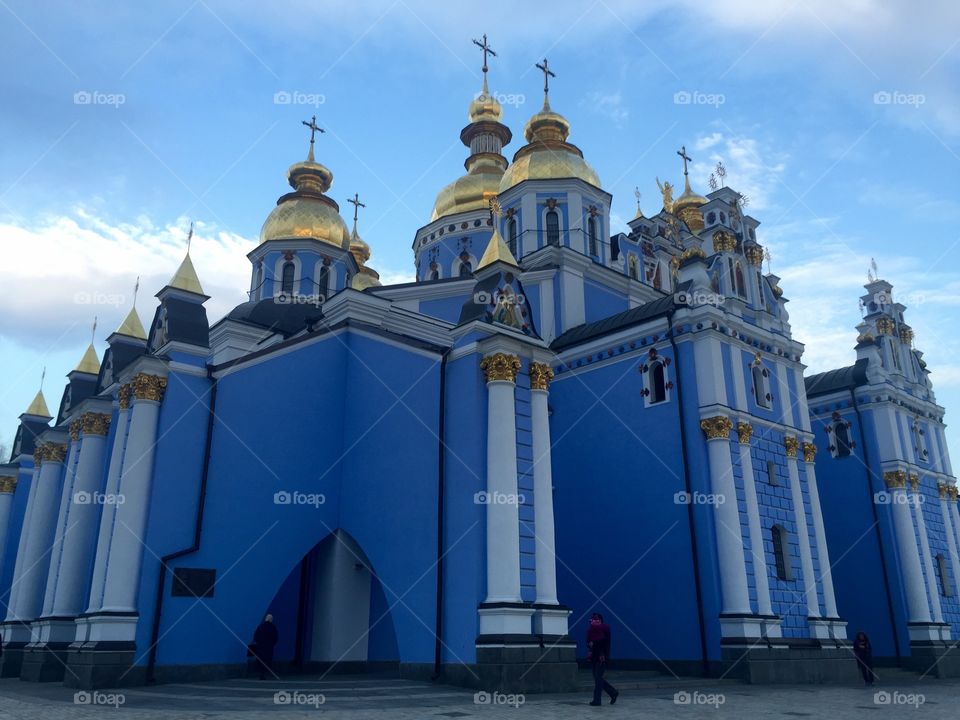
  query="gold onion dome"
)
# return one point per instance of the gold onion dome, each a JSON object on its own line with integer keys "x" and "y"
{"x": 307, "y": 213}
{"x": 687, "y": 207}
{"x": 547, "y": 154}
{"x": 485, "y": 136}
{"x": 365, "y": 277}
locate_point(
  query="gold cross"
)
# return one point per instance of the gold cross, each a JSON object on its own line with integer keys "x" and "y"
{"x": 487, "y": 50}
{"x": 355, "y": 201}
{"x": 314, "y": 129}
{"x": 682, "y": 152}
{"x": 547, "y": 74}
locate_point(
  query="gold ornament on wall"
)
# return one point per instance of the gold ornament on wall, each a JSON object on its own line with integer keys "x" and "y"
{"x": 500, "y": 366}
{"x": 914, "y": 480}
{"x": 95, "y": 424}
{"x": 540, "y": 376}
{"x": 754, "y": 255}
{"x": 8, "y": 484}
{"x": 724, "y": 241}
{"x": 885, "y": 326}
{"x": 149, "y": 387}
{"x": 809, "y": 452}
{"x": 895, "y": 479}
{"x": 123, "y": 396}
{"x": 744, "y": 431}
{"x": 791, "y": 445}
{"x": 75, "y": 427}
{"x": 717, "y": 427}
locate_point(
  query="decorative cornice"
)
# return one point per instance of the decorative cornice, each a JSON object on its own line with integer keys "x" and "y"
{"x": 75, "y": 427}
{"x": 942, "y": 490}
{"x": 123, "y": 396}
{"x": 148, "y": 387}
{"x": 791, "y": 445}
{"x": 540, "y": 376}
{"x": 914, "y": 481}
{"x": 885, "y": 325}
{"x": 54, "y": 452}
{"x": 895, "y": 479}
{"x": 744, "y": 431}
{"x": 724, "y": 241}
{"x": 500, "y": 366}
{"x": 95, "y": 423}
{"x": 717, "y": 427}
{"x": 952, "y": 493}
{"x": 906, "y": 335}
{"x": 809, "y": 452}
{"x": 754, "y": 255}
{"x": 8, "y": 484}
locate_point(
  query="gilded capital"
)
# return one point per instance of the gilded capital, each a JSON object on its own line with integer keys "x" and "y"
{"x": 8, "y": 484}
{"x": 149, "y": 387}
{"x": 717, "y": 427}
{"x": 884, "y": 326}
{"x": 724, "y": 241}
{"x": 754, "y": 255}
{"x": 952, "y": 493}
{"x": 540, "y": 376}
{"x": 500, "y": 366}
{"x": 942, "y": 491}
{"x": 744, "y": 431}
{"x": 54, "y": 452}
{"x": 75, "y": 427}
{"x": 914, "y": 480}
{"x": 791, "y": 445}
{"x": 123, "y": 396}
{"x": 809, "y": 452}
{"x": 95, "y": 423}
{"x": 895, "y": 479}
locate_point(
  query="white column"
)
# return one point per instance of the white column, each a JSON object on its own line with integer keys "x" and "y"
{"x": 61, "y": 529}
{"x": 733, "y": 571}
{"x": 951, "y": 530}
{"x": 916, "y": 500}
{"x": 83, "y": 503}
{"x": 43, "y": 518}
{"x": 819, "y": 532}
{"x": 803, "y": 534}
{"x": 546, "y": 559}
{"x": 8, "y": 485}
{"x": 918, "y": 610}
{"x": 18, "y": 565}
{"x": 109, "y": 511}
{"x": 744, "y": 431}
{"x": 126, "y": 547}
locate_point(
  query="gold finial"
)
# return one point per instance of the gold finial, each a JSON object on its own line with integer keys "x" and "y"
{"x": 547, "y": 74}
{"x": 487, "y": 50}
{"x": 872, "y": 273}
{"x": 767, "y": 256}
{"x": 720, "y": 172}
{"x": 637, "y": 194}
{"x": 496, "y": 248}
{"x": 355, "y": 201}
{"x": 314, "y": 129}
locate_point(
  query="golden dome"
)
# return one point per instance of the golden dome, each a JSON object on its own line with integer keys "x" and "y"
{"x": 473, "y": 191}
{"x": 547, "y": 154}
{"x": 367, "y": 277}
{"x": 307, "y": 213}
{"x": 485, "y": 106}
{"x": 686, "y": 207}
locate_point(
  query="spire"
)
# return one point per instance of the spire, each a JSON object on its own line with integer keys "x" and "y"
{"x": 547, "y": 74}
{"x": 131, "y": 326}
{"x": 636, "y": 192}
{"x": 185, "y": 278}
{"x": 314, "y": 129}
{"x": 38, "y": 406}
{"x": 497, "y": 250}
{"x": 89, "y": 363}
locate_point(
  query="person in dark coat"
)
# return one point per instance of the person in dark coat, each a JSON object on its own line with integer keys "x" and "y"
{"x": 264, "y": 640}
{"x": 598, "y": 654}
{"x": 864, "y": 654}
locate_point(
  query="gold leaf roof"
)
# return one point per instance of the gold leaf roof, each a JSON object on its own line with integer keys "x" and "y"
{"x": 38, "y": 406}
{"x": 132, "y": 327}
{"x": 89, "y": 363}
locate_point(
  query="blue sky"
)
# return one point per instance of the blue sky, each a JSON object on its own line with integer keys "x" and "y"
{"x": 840, "y": 120}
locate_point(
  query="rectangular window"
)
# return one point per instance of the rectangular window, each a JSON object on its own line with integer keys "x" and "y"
{"x": 772, "y": 472}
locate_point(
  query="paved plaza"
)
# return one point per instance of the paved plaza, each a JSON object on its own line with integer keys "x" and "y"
{"x": 898, "y": 695}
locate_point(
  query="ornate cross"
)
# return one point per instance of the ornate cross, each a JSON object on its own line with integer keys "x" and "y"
{"x": 547, "y": 74}
{"x": 636, "y": 193}
{"x": 355, "y": 201}
{"x": 682, "y": 152}
{"x": 487, "y": 50}
{"x": 314, "y": 129}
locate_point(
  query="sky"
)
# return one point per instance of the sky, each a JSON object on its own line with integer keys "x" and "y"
{"x": 125, "y": 122}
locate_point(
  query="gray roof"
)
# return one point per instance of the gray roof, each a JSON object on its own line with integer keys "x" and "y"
{"x": 840, "y": 379}
{"x": 633, "y": 316}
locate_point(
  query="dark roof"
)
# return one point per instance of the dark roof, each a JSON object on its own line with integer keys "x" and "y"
{"x": 840, "y": 379}
{"x": 283, "y": 318}
{"x": 634, "y": 316}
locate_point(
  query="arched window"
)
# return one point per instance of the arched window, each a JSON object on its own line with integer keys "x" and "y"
{"x": 945, "y": 589}
{"x": 781, "y": 558}
{"x": 323, "y": 283}
{"x": 466, "y": 268}
{"x": 513, "y": 237}
{"x": 286, "y": 283}
{"x": 741, "y": 287}
{"x": 434, "y": 274}
{"x": 634, "y": 272}
{"x": 841, "y": 439}
{"x": 592, "y": 237}
{"x": 658, "y": 384}
{"x": 553, "y": 227}
{"x": 760, "y": 386}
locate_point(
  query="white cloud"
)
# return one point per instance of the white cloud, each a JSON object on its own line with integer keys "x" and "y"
{"x": 609, "y": 105}
{"x": 752, "y": 169}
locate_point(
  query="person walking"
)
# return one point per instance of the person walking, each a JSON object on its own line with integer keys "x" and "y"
{"x": 598, "y": 654}
{"x": 264, "y": 640}
{"x": 864, "y": 654}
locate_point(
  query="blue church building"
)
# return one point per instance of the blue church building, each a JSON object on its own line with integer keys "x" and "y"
{"x": 446, "y": 477}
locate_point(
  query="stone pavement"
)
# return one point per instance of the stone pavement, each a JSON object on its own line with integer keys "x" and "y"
{"x": 376, "y": 697}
